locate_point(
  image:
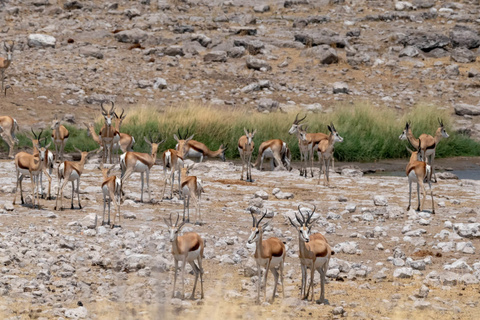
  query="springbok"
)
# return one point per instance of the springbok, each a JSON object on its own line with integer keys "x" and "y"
{"x": 418, "y": 171}
{"x": 71, "y": 171}
{"x": 187, "y": 249}
{"x": 126, "y": 141}
{"x": 195, "y": 149}
{"x": 9, "y": 125}
{"x": 314, "y": 139}
{"x": 269, "y": 254}
{"x": 32, "y": 165}
{"x": 314, "y": 253}
{"x": 429, "y": 143}
{"x": 245, "y": 148}
{"x": 191, "y": 188}
{"x": 5, "y": 62}
{"x": 59, "y": 137}
{"x": 111, "y": 189}
{"x": 107, "y": 133}
{"x": 171, "y": 161}
{"x": 47, "y": 165}
{"x": 325, "y": 153}
{"x": 303, "y": 145}
{"x": 277, "y": 151}
{"x": 131, "y": 162}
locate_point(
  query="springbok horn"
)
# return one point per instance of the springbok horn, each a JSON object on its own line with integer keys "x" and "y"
{"x": 254, "y": 220}
{"x": 311, "y": 215}
{"x": 258, "y": 223}
{"x": 178, "y": 217}
{"x": 34, "y": 135}
{"x": 103, "y": 109}
{"x": 113, "y": 107}
{"x": 179, "y": 135}
{"x": 301, "y": 214}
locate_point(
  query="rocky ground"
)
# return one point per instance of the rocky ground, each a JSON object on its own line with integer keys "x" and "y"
{"x": 389, "y": 263}
{"x": 264, "y": 55}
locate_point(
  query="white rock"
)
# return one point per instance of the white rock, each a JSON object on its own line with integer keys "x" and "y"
{"x": 403, "y": 273}
{"x": 77, "y": 313}
{"x": 403, "y": 5}
{"x": 41, "y": 40}
{"x": 380, "y": 200}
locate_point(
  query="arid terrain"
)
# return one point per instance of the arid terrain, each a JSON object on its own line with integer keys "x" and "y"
{"x": 266, "y": 56}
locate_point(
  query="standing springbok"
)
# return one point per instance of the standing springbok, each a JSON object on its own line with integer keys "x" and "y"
{"x": 47, "y": 165}
{"x": 171, "y": 161}
{"x": 126, "y": 141}
{"x": 9, "y": 125}
{"x": 277, "y": 151}
{"x": 59, "y": 137}
{"x": 418, "y": 171}
{"x": 314, "y": 139}
{"x": 191, "y": 188}
{"x": 131, "y": 162}
{"x": 186, "y": 248}
{"x": 107, "y": 133}
{"x": 5, "y": 62}
{"x": 32, "y": 165}
{"x": 111, "y": 189}
{"x": 71, "y": 171}
{"x": 195, "y": 149}
{"x": 269, "y": 254}
{"x": 314, "y": 253}
{"x": 325, "y": 153}
{"x": 245, "y": 148}
{"x": 429, "y": 143}
{"x": 124, "y": 144}
{"x": 304, "y": 143}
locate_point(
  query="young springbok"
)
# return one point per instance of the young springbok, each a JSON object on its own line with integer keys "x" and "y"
{"x": 191, "y": 188}
{"x": 5, "y": 62}
{"x": 245, "y": 148}
{"x": 71, "y": 171}
{"x": 195, "y": 149}
{"x": 429, "y": 143}
{"x": 111, "y": 189}
{"x": 171, "y": 161}
{"x": 418, "y": 171}
{"x": 277, "y": 151}
{"x": 269, "y": 254}
{"x": 314, "y": 254}
{"x": 131, "y": 162}
{"x": 325, "y": 153}
{"x": 59, "y": 137}
{"x": 187, "y": 249}
{"x": 126, "y": 141}
{"x": 304, "y": 142}
{"x": 32, "y": 165}
{"x": 8, "y": 127}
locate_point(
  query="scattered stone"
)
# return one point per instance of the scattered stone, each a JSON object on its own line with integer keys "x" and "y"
{"x": 267, "y": 105}
{"x": 463, "y": 55}
{"x": 463, "y": 109}
{"x": 340, "y": 87}
{"x": 403, "y": 273}
{"x": 257, "y": 64}
{"x": 215, "y": 56}
{"x": 380, "y": 200}
{"x": 261, "y": 194}
{"x": 131, "y": 36}
{"x": 41, "y": 41}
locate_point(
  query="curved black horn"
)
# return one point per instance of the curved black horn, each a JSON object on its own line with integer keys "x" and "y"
{"x": 254, "y": 220}
{"x": 311, "y": 215}
{"x": 103, "y": 109}
{"x": 179, "y": 134}
{"x": 34, "y": 135}
{"x": 178, "y": 217}
{"x": 258, "y": 223}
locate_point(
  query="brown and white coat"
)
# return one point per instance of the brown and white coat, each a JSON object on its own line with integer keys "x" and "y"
{"x": 60, "y": 137}
{"x": 8, "y": 126}
{"x": 245, "y": 148}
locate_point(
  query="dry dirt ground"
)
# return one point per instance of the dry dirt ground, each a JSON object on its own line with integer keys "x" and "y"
{"x": 52, "y": 260}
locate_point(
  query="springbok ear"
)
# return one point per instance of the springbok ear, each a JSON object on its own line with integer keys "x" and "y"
{"x": 254, "y": 131}
{"x": 161, "y": 141}
{"x": 265, "y": 224}
{"x": 190, "y": 138}
{"x": 246, "y": 131}
{"x": 190, "y": 167}
{"x": 76, "y": 149}
{"x": 175, "y": 137}
{"x": 48, "y": 145}
{"x": 146, "y": 140}
{"x": 329, "y": 128}
{"x": 409, "y": 150}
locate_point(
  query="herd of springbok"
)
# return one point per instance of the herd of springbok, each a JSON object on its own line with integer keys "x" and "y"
{"x": 314, "y": 249}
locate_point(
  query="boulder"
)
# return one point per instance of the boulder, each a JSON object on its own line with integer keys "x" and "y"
{"x": 174, "y": 51}
{"x": 409, "y": 51}
{"x": 267, "y": 105}
{"x": 340, "y": 87}
{"x": 91, "y": 51}
{"x": 462, "y": 109}
{"x": 462, "y": 55}
{"x": 41, "y": 41}
{"x": 462, "y": 36}
{"x": 131, "y": 36}
{"x": 425, "y": 41}
{"x": 257, "y": 64}
{"x": 215, "y": 56}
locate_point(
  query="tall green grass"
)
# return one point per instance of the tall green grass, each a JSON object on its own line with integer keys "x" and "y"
{"x": 370, "y": 133}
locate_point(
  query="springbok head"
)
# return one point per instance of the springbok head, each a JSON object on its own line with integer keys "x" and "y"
{"x": 295, "y": 124}
{"x": 153, "y": 145}
{"x": 42, "y": 150}
{"x": 249, "y": 134}
{"x": 442, "y": 129}
{"x": 108, "y": 116}
{"x": 174, "y": 229}
{"x": 182, "y": 143}
{"x": 9, "y": 49}
{"x": 305, "y": 225}
{"x": 119, "y": 119}
{"x": 36, "y": 138}
{"x": 257, "y": 228}
{"x": 408, "y": 127}
{"x": 55, "y": 123}
{"x": 334, "y": 132}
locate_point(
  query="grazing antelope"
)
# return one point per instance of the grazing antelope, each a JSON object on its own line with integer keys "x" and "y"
{"x": 429, "y": 143}
{"x": 5, "y": 62}
{"x": 9, "y": 125}
{"x": 195, "y": 149}
{"x": 325, "y": 153}
{"x": 187, "y": 249}
{"x": 47, "y": 165}
{"x": 33, "y": 165}
{"x": 418, "y": 171}
{"x": 111, "y": 189}
{"x": 314, "y": 253}
{"x": 191, "y": 188}
{"x": 71, "y": 171}
{"x": 269, "y": 254}
{"x": 313, "y": 138}
{"x": 131, "y": 162}
{"x": 277, "y": 151}
{"x": 59, "y": 137}
{"x": 171, "y": 161}
{"x": 107, "y": 133}
{"x": 245, "y": 148}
